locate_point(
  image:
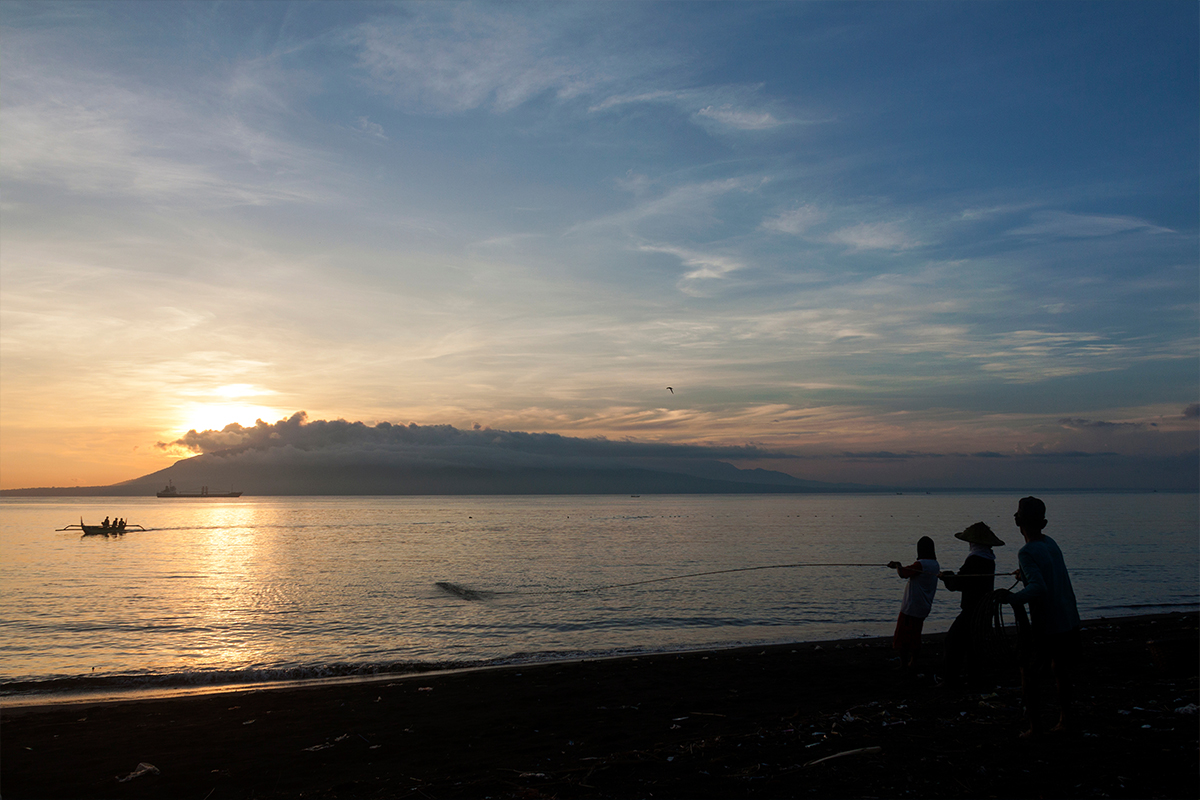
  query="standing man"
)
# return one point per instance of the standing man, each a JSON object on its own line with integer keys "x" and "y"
{"x": 1054, "y": 616}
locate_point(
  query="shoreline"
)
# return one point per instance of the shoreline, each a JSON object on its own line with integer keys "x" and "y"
{"x": 116, "y": 694}
{"x": 34, "y": 698}
{"x": 740, "y": 722}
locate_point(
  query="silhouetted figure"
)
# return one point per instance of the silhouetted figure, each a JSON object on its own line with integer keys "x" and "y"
{"x": 1054, "y": 617}
{"x": 105, "y": 523}
{"x": 976, "y": 582}
{"x": 922, "y": 584}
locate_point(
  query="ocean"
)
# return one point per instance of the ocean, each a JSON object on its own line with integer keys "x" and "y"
{"x": 224, "y": 592}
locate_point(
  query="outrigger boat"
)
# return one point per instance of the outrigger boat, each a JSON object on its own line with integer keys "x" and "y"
{"x": 101, "y": 530}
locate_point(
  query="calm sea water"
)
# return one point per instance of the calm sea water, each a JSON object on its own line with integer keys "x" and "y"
{"x": 272, "y": 588}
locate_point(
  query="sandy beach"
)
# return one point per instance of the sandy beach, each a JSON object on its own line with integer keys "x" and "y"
{"x": 751, "y": 722}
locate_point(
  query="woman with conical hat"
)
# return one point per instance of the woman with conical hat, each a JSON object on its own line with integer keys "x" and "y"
{"x": 976, "y": 580}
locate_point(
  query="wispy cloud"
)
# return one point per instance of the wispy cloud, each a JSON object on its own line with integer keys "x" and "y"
{"x": 1082, "y": 226}
{"x": 874, "y": 236}
{"x": 688, "y": 206}
{"x": 98, "y": 132}
{"x": 720, "y": 109}
{"x": 796, "y": 221}
{"x": 702, "y": 267}
{"x": 1031, "y": 356}
{"x": 828, "y": 225}
{"x": 977, "y": 213}
{"x": 370, "y": 128}
{"x": 742, "y": 119}
{"x": 451, "y": 58}
{"x": 656, "y": 96}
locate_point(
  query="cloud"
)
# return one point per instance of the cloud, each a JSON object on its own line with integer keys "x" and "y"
{"x": 633, "y": 182}
{"x": 1083, "y": 424}
{"x": 444, "y": 441}
{"x": 1192, "y": 411}
{"x": 726, "y": 114}
{"x": 885, "y": 455}
{"x": 874, "y": 236}
{"x": 92, "y": 129}
{"x": 724, "y": 107}
{"x": 716, "y": 108}
{"x": 370, "y": 128}
{"x": 689, "y": 206}
{"x": 796, "y": 221}
{"x": 448, "y": 58}
{"x": 1026, "y": 356}
{"x": 988, "y": 212}
{"x": 702, "y": 266}
{"x": 1062, "y": 224}
{"x": 658, "y": 96}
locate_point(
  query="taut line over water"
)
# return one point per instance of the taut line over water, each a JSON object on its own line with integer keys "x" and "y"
{"x": 472, "y": 594}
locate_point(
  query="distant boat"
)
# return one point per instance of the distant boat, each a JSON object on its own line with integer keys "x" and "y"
{"x": 170, "y": 491}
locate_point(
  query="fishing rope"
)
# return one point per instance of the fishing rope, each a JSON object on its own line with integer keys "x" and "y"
{"x": 471, "y": 594}
{"x": 689, "y": 575}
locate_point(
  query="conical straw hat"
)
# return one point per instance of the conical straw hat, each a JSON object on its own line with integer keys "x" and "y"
{"x": 979, "y": 533}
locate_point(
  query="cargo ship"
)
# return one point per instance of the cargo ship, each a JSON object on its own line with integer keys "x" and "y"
{"x": 170, "y": 491}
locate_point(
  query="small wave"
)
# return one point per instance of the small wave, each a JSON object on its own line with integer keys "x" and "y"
{"x": 621, "y": 517}
{"x": 138, "y": 682}
{"x": 1143, "y": 606}
{"x": 65, "y": 689}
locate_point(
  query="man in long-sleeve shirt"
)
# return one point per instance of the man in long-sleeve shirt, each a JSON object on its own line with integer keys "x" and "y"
{"x": 1053, "y": 612}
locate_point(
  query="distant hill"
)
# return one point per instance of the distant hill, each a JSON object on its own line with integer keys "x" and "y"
{"x": 301, "y": 475}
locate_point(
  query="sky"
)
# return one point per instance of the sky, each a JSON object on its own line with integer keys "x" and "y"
{"x": 949, "y": 244}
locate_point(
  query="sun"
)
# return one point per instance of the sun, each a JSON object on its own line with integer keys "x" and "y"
{"x": 216, "y": 407}
{"x": 215, "y": 416}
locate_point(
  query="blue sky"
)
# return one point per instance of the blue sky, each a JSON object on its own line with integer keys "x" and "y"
{"x": 931, "y": 243}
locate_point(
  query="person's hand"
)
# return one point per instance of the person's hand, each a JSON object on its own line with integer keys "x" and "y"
{"x": 1003, "y": 596}
{"x": 946, "y": 573}
{"x": 1019, "y": 575}
{"x": 893, "y": 565}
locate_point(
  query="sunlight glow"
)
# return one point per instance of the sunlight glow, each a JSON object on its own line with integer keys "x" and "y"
{"x": 234, "y": 391}
{"x": 215, "y": 416}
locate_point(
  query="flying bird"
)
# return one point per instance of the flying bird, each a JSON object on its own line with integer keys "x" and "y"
{"x": 669, "y": 389}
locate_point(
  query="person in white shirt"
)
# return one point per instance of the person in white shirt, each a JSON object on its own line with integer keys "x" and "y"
{"x": 922, "y": 577}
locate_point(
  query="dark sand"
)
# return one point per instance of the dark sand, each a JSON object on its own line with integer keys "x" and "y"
{"x": 721, "y": 724}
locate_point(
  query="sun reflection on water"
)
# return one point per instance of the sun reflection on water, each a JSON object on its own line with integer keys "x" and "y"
{"x": 234, "y": 556}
